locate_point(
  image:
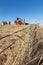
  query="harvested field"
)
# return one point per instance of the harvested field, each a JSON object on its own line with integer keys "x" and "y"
{"x": 21, "y": 44}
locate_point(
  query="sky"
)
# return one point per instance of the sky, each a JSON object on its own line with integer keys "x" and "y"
{"x": 30, "y": 10}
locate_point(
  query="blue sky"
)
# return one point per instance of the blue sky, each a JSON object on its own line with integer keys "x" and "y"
{"x": 31, "y": 10}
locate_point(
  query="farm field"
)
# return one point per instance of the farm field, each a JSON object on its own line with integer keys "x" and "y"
{"x": 21, "y": 44}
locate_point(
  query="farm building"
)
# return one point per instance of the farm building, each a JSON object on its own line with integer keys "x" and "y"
{"x": 5, "y": 22}
{"x": 19, "y": 21}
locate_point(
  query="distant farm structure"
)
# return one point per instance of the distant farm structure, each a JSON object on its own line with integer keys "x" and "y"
{"x": 19, "y": 21}
{"x": 5, "y": 22}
